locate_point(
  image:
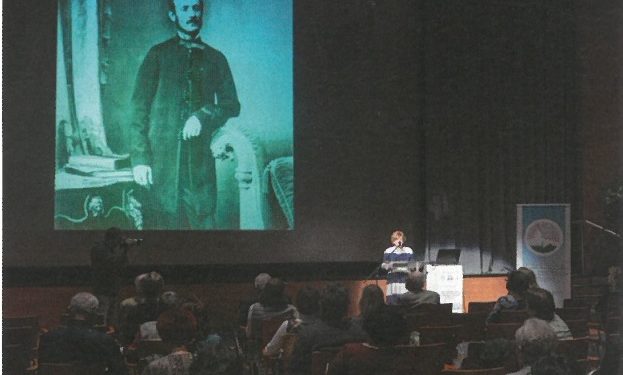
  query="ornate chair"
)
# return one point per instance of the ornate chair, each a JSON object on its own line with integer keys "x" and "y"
{"x": 254, "y": 178}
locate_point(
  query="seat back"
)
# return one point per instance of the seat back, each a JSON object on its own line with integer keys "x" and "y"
{"x": 321, "y": 359}
{"x": 473, "y": 325}
{"x": 440, "y": 334}
{"x": 21, "y": 321}
{"x": 25, "y": 336}
{"x": 268, "y": 329}
{"x": 428, "y": 359}
{"x": 578, "y": 328}
{"x": 574, "y": 313}
{"x": 486, "y": 371}
{"x": 17, "y": 358}
{"x": 480, "y": 307}
{"x": 576, "y": 348}
{"x": 70, "y": 369}
{"x": 512, "y": 316}
{"x": 502, "y": 330}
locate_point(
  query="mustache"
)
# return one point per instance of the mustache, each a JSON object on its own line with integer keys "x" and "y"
{"x": 194, "y": 20}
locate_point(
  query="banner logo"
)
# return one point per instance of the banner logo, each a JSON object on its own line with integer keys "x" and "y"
{"x": 544, "y": 237}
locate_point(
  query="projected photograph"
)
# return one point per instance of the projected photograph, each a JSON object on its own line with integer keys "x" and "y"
{"x": 174, "y": 115}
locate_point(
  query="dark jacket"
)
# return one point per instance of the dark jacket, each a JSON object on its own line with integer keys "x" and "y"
{"x": 79, "y": 343}
{"x": 321, "y": 335}
{"x": 173, "y": 83}
{"x": 414, "y": 299}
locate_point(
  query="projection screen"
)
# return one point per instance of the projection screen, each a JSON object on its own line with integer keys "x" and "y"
{"x": 174, "y": 115}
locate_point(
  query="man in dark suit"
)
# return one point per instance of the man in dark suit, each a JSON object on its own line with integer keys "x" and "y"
{"x": 417, "y": 295}
{"x": 184, "y": 91}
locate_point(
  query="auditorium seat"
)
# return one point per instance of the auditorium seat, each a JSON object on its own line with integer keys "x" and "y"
{"x": 502, "y": 330}
{"x": 578, "y": 327}
{"x": 21, "y": 321}
{"x": 487, "y": 371}
{"x": 574, "y": 313}
{"x": 429, "y": 317}
{"x": 321, "y": 358}
{"x": 17, "y": 359}
{"x": 473, "y": 325}
{"x": 429, "y": 358}
{"x": 70, "y": 369}
{"x": 576, "y": 348}
{"x": 510, "y": 316}
{"x": 480, "y": 307}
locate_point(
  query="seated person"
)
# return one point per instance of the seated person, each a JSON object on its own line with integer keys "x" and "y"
{"x": 143, "y": 307}
{"x": 307, "y": 306}
{"x": 516, "y": 284}
{"x": 334, "y": 328}
{"x": 386, "y": 328}
{"x": 254, "y": 297}
{"x": 417, "y": 295}
{"x": 531, "y": 277}
{"x": 372, "y": 299}
{"x": 78, "y": 342}
{"x": 177, "y": 328}
{"x": 273, "y": 304}
{"x": 541, "y": 306}
{"x": 533, "y": 340}
{"x": 148, "y": 330}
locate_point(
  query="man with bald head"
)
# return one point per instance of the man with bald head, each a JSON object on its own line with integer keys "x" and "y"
{"x": 184, "y": 91}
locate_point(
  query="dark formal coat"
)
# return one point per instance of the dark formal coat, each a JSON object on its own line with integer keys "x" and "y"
{"x": 176, "y": 80}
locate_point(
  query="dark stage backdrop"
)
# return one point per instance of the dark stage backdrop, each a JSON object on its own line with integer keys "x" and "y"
{"x": 434, "y": 117}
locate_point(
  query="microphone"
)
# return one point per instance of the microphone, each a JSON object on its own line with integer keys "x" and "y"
{"x": 399, "y": 243}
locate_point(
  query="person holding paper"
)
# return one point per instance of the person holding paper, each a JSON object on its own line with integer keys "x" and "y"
{"x": 395, "y": 262}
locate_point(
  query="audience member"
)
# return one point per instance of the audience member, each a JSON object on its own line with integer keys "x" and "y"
{"x": 533, "y": 340}
{"x": 386, "y": 328}
{"x": 307, "y": 306}
{"x": 214, "y": 357}
{"x": 273, "y": 304}
{"x": 516, "y": 285}
{"x": 372, "y": 299}
{"x": 148, "y": 330}
{"x": 540, "y": 303}
{"x": 143, "y": 307}
{"x": 494, "y": 353}
{"x": 531, "y": 276}
{"x": 254, "y": 297}
{"x": 417, "y": 295}
{"x": 332, "y": 329}
{"x": 78, "y": 342}
{"x": 177, "y": 327}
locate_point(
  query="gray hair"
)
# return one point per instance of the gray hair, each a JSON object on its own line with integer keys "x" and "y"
{"x": 534, "y": 339}
{"x": 83, "y": 303}
{"x": 261, "y": 280}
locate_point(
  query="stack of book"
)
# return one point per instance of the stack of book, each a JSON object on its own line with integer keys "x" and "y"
{"x": 113, "y": 166}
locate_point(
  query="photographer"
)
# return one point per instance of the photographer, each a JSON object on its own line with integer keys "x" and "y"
{"x": 108, "y": 261}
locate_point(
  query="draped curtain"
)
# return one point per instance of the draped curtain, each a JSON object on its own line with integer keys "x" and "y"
{"x": 499, "y": 123}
